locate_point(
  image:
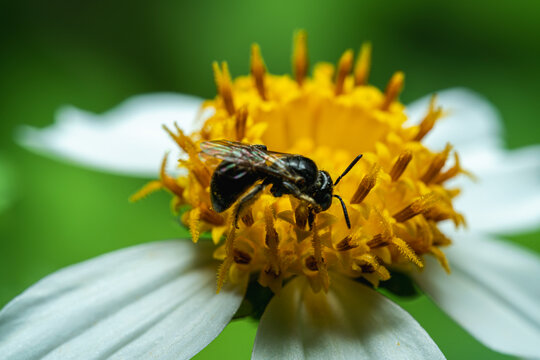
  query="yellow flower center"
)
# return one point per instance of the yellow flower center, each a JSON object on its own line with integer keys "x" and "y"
{"x": 395, "y": 195}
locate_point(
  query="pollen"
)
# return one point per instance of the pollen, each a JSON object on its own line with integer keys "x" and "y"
{"x": 396, "y": 194}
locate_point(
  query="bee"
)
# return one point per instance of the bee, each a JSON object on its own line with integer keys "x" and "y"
{"x": 246, "y": 170}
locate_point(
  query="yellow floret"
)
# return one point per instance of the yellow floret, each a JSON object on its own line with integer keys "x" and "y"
{"x": 396, "y": 195}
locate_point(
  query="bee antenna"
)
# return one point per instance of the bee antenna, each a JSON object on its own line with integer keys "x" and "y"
{"x": 348, "y": 169}
{"x": 345, "y": 213}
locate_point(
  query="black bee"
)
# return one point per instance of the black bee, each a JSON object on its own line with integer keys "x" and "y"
{"x": 247, "y": 169}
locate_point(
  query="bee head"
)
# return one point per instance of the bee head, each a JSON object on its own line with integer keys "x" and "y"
{"x": 322, "y": 190}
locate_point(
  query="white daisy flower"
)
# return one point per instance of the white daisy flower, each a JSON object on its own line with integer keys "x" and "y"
{"x": 158, "y": 300}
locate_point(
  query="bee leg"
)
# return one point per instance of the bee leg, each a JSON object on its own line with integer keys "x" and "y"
{"x": 295, "y": 191}
{"x": 311, "y": 218}
{"x": 250, "y": 196}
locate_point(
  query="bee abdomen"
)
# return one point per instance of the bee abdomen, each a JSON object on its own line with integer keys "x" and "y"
{"x": 228, "y": 183}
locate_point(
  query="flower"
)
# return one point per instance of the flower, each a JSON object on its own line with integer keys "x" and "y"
{"x": 159, "y": 299}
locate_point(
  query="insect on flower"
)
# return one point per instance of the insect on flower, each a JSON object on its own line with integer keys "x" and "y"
{"x": 254, "y": 167}
{"x": 313, "y": 291}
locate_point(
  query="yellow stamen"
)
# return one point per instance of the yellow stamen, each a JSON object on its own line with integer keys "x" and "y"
{"x": 210, "y": 216}
{"x": 437, "y": 214}
{"x": 272, "y": 274}
{"x": 344, "y": 68}
{"x": 367, "y": 263}
{"x": 258, "y": 70}
{"x": 146, "y": 190}
{"x": 401, "y": 164}
{"x": 346, "y": 244}
{"x": 229, "y": 257}
{"x": 182, "y": 140}
{"x": 406, "y": 251}
{"x": 165, "y": 181}
{"x": 365, "y": 186}
{"x": 450, "y": 173}
{"x": 319, "y": 260}
{"x": 441, "y": 258}
{"x": 194, "y": 221}
{"x": 224, "y": 86}
{"x": 439, "y": 239}
{"x": 201, "y": 172}
{"x": 169, "y": 182}
{"x": 429, "y": 120}
{"x": 240, "y": 123}
{"x": 300, "y": 57}
{"x": 436, "y": 165}
{"x": 272, "y": 240}
{"x": 393, "y": 89}
{"x": 378, "y": 241}
{"x": 362, "y": 68}
{"x": 278, "y": 237}
{"x": 419, "y": 206}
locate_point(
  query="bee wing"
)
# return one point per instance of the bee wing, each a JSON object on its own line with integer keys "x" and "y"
{"x": 248, "y": 156}
{"x": 234, "y": 152}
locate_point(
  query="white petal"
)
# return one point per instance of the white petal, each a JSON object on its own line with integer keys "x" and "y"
{"x": 350, "y": 322}
{"x": 156, "y": 300}
{"x": 126, "y": 140}
{"x": 506, "y": 197}
{"x": 493, "y": 292}
{"x": 471, "y": 121}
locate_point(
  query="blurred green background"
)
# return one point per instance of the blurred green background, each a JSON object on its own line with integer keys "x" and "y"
{"x": 95, "y": 54}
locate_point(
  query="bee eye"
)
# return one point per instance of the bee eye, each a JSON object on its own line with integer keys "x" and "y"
{"x": 325, "y": 201}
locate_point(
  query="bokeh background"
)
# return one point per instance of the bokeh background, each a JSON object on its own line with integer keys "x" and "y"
{"x": 95, "y": 54}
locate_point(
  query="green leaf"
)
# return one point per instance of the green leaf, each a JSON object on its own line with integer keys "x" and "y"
{"x": 400, "y": 284}
{"x": 255, "y": 301}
